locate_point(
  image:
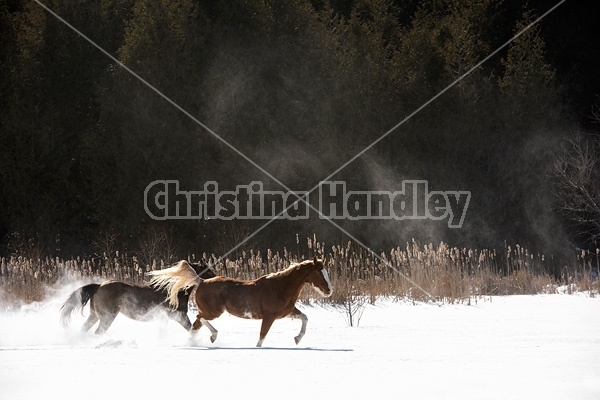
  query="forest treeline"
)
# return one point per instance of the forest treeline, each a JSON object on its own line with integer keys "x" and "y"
{"x": 299, "y": 87}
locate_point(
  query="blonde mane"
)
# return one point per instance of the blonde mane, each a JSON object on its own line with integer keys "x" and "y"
{"x": 288, "y": 270}
{"x": 179, "y": 277}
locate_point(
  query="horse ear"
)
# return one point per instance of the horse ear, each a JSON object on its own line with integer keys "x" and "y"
{"x": 324, "y": 261}
{"x": 315, "y": 260}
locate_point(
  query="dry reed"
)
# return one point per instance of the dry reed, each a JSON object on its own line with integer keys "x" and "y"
{"x": 416, "y": 272}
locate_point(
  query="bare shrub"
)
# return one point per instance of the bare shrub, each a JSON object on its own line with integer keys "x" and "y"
{"x": 351, "y": 301}
{"x": 578, "y": 190}
{"x": 157, "y": 244}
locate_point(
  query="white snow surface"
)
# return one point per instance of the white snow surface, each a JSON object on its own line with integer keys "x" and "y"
{"x": 516, "y": 347}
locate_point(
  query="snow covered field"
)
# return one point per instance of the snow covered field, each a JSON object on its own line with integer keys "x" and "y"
{"x": 521, "y": 347}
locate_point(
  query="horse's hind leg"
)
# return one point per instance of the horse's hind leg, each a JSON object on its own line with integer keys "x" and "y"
{"x": 92, "y": 319}
{"x": 105, "y": 322}
{"x": 201, "y": 321}
{"x": 297, "y": 314}
{"x": 213, "y": 331}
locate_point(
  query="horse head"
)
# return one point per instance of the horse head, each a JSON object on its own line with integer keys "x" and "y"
{"x": 319, "y": 279}
{"x": 203, "y": 270}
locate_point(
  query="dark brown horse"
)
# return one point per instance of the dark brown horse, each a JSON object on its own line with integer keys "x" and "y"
{"x": 269, "y": 297}
{"x": 139, "y": 302}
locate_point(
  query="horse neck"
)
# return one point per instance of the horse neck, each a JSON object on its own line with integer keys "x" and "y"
{"x": 295, "y": 281}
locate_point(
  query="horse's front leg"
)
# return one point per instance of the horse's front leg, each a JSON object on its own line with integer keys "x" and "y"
{"x": 182, "y": 318}
{"x": 264, "y": 329}
{"x": 297, "y": 314}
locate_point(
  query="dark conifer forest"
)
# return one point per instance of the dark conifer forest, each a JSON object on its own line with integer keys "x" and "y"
{"x": 299, "y": 87}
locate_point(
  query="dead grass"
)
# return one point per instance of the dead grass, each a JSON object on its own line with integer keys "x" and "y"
{"x": 413, "y": 271}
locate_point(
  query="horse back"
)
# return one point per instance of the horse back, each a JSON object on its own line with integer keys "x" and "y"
{"x": 128, "y": 298}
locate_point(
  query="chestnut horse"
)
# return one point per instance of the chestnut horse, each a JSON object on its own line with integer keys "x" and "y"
{"x": 139, "y": 302}
{"x": 269, "y": 297}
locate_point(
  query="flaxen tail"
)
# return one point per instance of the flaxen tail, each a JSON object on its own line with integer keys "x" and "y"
{"x": 179, "y": 277}
{"x": 78, "y": 298}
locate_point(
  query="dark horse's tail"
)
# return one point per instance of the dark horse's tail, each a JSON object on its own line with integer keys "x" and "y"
{"x": 78, "y": 298}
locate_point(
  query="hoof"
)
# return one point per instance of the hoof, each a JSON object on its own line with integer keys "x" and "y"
{"x": 297, "y": 339}
{"x": 213, "y": 338}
